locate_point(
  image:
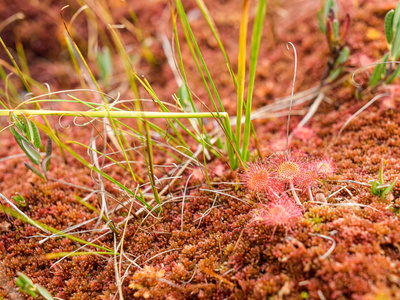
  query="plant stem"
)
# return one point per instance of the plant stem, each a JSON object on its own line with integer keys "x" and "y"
{"x": 295, "y": 194}
{"x": 113, "y": 114}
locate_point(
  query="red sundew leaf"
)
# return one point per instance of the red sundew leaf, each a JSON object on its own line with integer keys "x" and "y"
{"x": 309, "y": 177}
{"x": 345, "y": 27}
{"x": 325, "y": 167}
{"x": 288, "y": 165}
{"x": 259, "y": 178}
{"x": 279, "y": 212}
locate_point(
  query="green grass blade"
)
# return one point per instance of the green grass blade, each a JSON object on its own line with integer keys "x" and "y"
{"x": 98, "y": 152}
{"x": 181, "y": 65}
{"x": 75, "y": 61}
{"x": 255, "y": 47}
{"x": 150, "y": 163}
{"x": 241, "y": 70}
{"x": 230, "y": 144}
{"x": 28, "y": 88}
{"x": 70, "y": 254}
{"x": 22, "y": 58}
{"x": 192, "y": 43}
{"x": 84, "y": 62}
{"x": 9, "y": 87}
{"x": 129, "y": 70}
{"x": 165, "y": 109}
{"x": 214, "y": 30}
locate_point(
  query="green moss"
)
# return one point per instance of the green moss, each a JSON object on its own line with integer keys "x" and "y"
{"x": 304, "y": 295}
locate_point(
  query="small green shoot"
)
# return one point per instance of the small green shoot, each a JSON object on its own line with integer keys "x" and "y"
{"x": 27, "y": 136}
{"x": 386, "y": 71}
{"x": 26, "y": 286}
{"x": 20, "y": 200}
{"x": 335, "y": 34}
{"x": 104, "y": 62}
{"x": 379, "y": 187}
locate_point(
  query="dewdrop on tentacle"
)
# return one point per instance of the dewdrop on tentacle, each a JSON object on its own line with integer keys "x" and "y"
{"x": 325, "y": 167}
{"x": 308, "y": 178}
{"x": 288, "y": 167}
{"x": 279, "y": 212}
{"x": 259, "y": 178}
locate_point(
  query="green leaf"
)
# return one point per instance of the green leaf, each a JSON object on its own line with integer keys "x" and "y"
{"x": 36, "y": 136}
{"x": 219, "y": 144}
{"x": 388, "y": 189}
{"x": 45, "y": 293}
{"x": 374, "y": 190}
{"x": 304, "y": 295}
{"x": 321, "y": 24}
{"x": 381, "y": 173}
{"x": 25, "y": 279}
{"x": 104, "y": 61}
{"x": 394, "y": 75}
{"x": 335, "y": 73}
{"x": 26, "y": 285}
{"x": 336, "y": 29}
{"x": 48, "y": 153}
{"x": 389, "y": 26}
{"x": 20, "y": 200}
{"x": 34, "y": 170}
{"x": 18, "y": 123}
{"x": 396, "y": 18}
{"x": 28, "y": 128}
{"x": 327, "y": 7}
{"x": 395, "y": 49}
{"x": 32, "y": 153}
{"x": 378, "y": 71}
{"x": 343, "y": 56}
{"x": 183, "y": 96}
{"x": 19, "y": 139}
